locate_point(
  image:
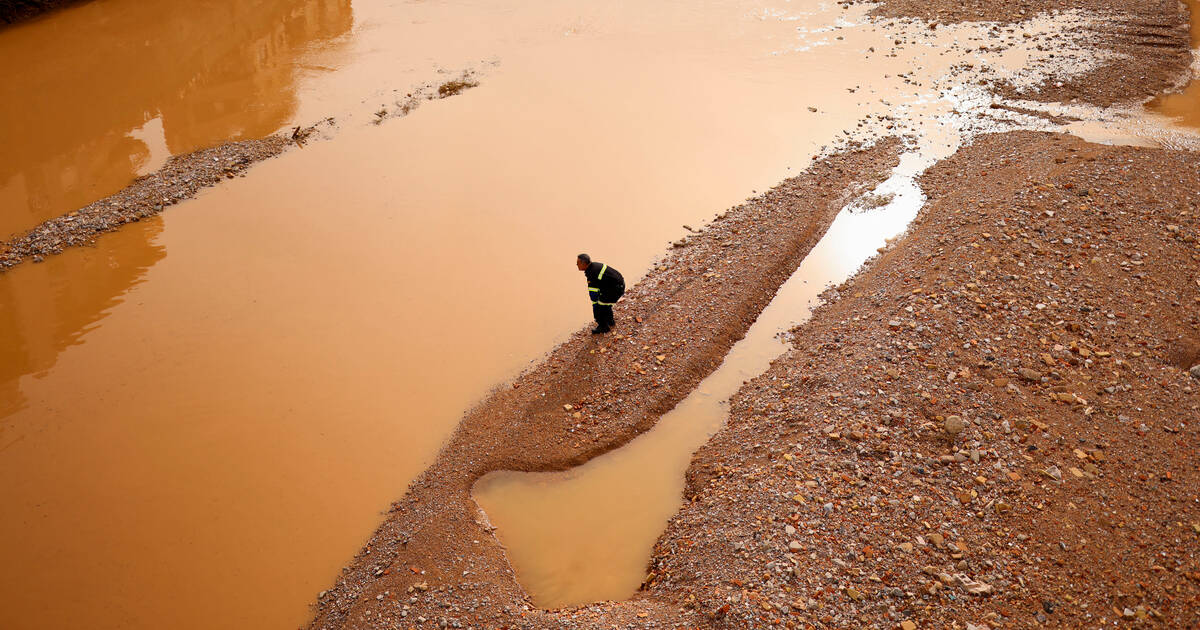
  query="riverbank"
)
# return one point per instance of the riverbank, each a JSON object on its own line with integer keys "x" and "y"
{"x": 989, "y": 425}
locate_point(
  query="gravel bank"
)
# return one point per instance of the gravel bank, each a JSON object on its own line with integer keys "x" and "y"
{"x": 990, "y": 426}
{"x": 185, "y": 175}
{"x": 994, "y": 424}
{"x": 434, "y": 557}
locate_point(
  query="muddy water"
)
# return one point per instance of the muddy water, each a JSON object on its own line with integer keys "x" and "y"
{"x": 585, "y": 535}
{"x": 1184, "y": 106}
{"x": 96, "y": 94}
{"x": 207, "y": 412}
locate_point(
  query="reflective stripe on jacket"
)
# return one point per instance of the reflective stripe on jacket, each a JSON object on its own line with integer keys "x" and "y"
{"x": 605, "y": 284}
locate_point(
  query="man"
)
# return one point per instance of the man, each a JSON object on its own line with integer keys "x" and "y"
{"x": 605, "y": 287}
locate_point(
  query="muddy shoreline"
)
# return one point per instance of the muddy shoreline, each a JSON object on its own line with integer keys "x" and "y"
{"x": 981, "y": 408}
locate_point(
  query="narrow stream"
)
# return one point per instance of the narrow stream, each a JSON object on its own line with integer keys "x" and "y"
{"x": 585, "y": 535}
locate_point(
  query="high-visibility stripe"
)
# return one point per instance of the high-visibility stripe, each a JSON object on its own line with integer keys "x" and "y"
{"x": 604, "y": 303}
{"x": 593, "y": 288}
{"x": 603, "y": 268}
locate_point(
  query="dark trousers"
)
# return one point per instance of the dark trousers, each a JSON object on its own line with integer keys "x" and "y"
{"x": 603, "y": 315}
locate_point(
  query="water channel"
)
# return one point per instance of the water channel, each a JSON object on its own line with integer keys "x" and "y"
{"x": 202, "y": 416}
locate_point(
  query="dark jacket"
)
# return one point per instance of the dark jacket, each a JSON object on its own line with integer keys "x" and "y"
{"x": 605, "y": 284}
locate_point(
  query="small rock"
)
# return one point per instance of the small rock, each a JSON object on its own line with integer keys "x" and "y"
{"x": 908, "y": 625}
{"x": 953, "y": 425}
{"x": 1195, "y": 371}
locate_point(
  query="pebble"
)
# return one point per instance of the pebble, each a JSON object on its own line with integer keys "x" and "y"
{"x": 953, "y": 425}
{"x": 1029, "y": 375}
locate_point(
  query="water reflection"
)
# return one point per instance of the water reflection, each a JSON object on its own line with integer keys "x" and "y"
{"x": 1184, "y": 106}
{"x": 77, "y": 86}
{"x": 54, "y": 310}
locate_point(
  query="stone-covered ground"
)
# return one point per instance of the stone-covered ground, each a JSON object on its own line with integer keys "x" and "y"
{"x": 992, "y": 425}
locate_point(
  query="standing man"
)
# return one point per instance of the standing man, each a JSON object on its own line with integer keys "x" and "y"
{"x": 605, "y": 287}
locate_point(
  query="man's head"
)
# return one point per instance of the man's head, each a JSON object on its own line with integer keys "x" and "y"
{"x": 582, "y": 261}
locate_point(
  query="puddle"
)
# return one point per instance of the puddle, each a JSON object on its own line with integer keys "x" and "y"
{"x": 1183, "y": 107}
{"x": 208, "y": 410}
{"x": 585, "y": 535}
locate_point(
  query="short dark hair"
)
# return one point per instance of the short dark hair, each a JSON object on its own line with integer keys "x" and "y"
{"x": 585, "y": 258}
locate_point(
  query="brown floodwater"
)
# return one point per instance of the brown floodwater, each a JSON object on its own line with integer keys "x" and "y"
{"x": 203, "y": 416}
{"x": 1184, "y": 106}
{"x": 96, "y": 94}
{"x": 585, "y": 535}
